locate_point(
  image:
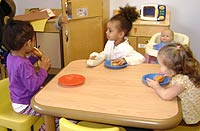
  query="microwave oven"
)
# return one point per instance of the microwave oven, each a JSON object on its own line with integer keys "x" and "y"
{"x": 155, "y": 12}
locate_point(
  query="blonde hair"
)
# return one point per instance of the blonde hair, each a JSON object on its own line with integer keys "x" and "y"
{"x": 181, "y": 60}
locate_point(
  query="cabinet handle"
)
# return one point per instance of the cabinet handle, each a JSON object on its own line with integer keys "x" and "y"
{"x": 67, "y": 35}
{"x": 135, "y": 30}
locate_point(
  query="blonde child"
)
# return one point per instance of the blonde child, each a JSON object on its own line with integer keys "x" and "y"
{"x": 166, "y": 37}
{"x": 117, "y": 47}
{"x": 25, "y": 82}
{"x": 177, "y": 61}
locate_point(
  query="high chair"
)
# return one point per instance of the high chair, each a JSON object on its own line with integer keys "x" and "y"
{"x": 155, "y": 39}
{"x": 151, "y": 54}
{"x": 10, "y": 119}
{"x": 66, "y": 125}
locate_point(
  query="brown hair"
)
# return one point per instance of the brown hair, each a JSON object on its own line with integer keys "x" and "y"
{"x": 16, "y": 33}
{"x": 180, "y": 59}
{"x": 126, "y": 16}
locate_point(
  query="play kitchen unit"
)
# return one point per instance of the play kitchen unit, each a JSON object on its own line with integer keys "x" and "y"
{"x": 152, "y": 21}
{"x": 85, "y": 29}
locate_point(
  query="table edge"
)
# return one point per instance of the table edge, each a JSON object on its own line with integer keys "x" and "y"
{"x": 109, "y": 119}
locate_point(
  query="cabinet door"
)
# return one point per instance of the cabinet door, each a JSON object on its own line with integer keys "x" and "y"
{"x": 141, "y": 44}
{"x": 50, "y": 46}
{"x": 83, "y": 36}
{"x": 85, "y": 8}
{"x": 132, "y": 42}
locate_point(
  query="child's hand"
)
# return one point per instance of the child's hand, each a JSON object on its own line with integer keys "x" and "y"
{"x": 62, "y": 20}
{"x": 152, "y": 83}
{"x": 92, "y": 57}
{"x": 44, "y": 63}
{"x": 120, "y": 61}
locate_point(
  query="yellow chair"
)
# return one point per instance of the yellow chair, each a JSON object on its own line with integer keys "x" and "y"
{"x": 3, "y": 129}
{"x": 186, "y": 128}
{"x": 66, "y": 125}
{"x": 9, "y": 118}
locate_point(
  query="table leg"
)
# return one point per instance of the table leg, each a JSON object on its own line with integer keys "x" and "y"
{"x": 49, "y": 123}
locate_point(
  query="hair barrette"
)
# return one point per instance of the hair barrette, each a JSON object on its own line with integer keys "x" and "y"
{"x": 178, "y": 47}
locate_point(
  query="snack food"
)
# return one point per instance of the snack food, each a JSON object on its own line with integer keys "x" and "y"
{"x": 37, "y": 52}
{"x": 159, "y": 78}
{"x": 113, "y": 63}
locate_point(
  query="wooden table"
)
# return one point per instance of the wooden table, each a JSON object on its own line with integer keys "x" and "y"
{"x": 110, "y": 96}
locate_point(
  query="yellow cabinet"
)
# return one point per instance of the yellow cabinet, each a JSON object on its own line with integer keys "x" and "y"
{"x": 138, "y": 43}
{"x": 82, "y": 37}
{"x": 133, "y": 41}
{"x": 84, "y": 31}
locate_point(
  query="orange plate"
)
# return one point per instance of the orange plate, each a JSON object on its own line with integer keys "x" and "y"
{"x": 71, "y": 80}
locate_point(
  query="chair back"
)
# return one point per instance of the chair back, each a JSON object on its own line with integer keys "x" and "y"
{"x": 178, "y": 38}
{"x": 66, "y": 125}
{"x": 5, "y": 101}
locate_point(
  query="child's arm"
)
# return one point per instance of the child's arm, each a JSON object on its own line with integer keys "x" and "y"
{"x": 27, "y": 75}
{"x": 33, "y": 59}
{"x": 96, "y": 58}
{"x": 134, "y": 58}
{"x": 167, "y": 93}
{"x": 61, "y": 19}
{"x": 44, "y": 63}
{"x": 58, "y": 22}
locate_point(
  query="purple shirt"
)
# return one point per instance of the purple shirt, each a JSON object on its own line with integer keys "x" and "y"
{"x": 24, "y": 81}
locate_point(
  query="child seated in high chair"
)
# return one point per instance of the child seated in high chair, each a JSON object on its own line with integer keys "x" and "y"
{"x": 117, "y": 47}
{"x": 166, "y": 37}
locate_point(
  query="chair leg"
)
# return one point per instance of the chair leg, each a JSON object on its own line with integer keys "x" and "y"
{"x": 37, "y": 125}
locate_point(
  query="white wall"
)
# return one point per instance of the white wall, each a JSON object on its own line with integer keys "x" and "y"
{"x": 184, "y": 13}
{"x": 22, "y": 4}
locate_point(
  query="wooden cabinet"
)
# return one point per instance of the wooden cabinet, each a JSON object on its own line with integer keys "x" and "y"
{"x": 84, "y": 31}
{"x": 142, "y": 31}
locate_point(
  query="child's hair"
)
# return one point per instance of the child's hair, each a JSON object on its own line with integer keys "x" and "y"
{"x": 180, "y": 59}
{"x": 16, "y": 33}
{"x": 126, "y": 16}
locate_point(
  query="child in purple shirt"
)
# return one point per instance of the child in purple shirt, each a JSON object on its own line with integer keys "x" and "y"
{"x": 25, "y": 82}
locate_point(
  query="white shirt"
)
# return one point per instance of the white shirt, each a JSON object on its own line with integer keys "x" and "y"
{"x": 123, "y": 50}
{"x": 111, "y": 52}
